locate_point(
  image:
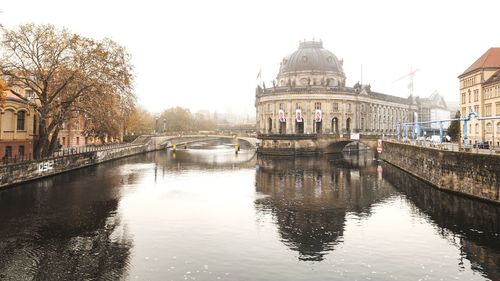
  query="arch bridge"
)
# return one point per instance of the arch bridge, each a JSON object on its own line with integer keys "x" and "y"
{"x": 186, "y": 140}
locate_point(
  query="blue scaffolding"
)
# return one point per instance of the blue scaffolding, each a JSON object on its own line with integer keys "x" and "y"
{"x": 416, "y": 126}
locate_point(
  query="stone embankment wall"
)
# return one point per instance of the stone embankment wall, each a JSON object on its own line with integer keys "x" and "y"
{"x": 30, "y": 170}
{"x": 289, "y": 145}
{"x": 471, "y": 174}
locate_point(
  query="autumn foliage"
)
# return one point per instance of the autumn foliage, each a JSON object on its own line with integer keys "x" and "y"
{"x": 71, "y": 76}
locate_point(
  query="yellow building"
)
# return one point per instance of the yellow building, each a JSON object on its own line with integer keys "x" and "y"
{"x": 17, "y": 126}
{"x": 491, "y": 90}
{"x": 479, "y": 92}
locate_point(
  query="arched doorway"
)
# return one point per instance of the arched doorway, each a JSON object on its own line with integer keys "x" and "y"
{"x": 299, "y": 127}
{"x": 317, "y": 127}
{"x": 282, "y": 128}
{"x": 335, "y": 125}
{"x": 348, "y": 125}
{"x": 269, "y": 125}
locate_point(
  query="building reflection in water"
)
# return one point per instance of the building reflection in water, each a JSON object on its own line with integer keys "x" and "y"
{"x": 309, "y": 198}
{"x": 65, "y": 227}
{"x": 472, "y": 225}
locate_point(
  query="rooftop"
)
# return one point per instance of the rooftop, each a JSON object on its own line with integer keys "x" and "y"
{"x": 490, "y": 59}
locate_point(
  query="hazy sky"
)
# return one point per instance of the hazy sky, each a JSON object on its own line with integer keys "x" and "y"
{"x": 206, "y": 54}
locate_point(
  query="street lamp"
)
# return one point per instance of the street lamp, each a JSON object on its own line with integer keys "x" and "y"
{"x": 156, "y": 125}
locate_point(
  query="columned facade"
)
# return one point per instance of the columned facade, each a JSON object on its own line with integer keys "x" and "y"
{"x": 310, "y": 96}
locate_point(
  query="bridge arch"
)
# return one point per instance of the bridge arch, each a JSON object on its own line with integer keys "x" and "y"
{"x": 338, "y": 145}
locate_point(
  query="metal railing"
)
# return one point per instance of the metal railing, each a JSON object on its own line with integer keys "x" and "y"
{"x": 416, "y": 127}
{"x": 68, "y": 152}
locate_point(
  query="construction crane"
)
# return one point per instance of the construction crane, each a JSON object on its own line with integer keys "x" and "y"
{"x": 411, "y": 76}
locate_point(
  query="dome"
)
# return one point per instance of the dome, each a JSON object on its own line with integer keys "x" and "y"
{"x": 311, "y": 56}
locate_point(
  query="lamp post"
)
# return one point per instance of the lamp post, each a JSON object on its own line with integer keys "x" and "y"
{"x": 156, "y": 125}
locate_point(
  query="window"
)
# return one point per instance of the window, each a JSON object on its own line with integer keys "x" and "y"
{"x": 463, "y": 97}
{"x": 77, "y": 140}
{"x": 335, "y": 106}
{"x": 63, "y": 141}
{"x": 8, "y": 151}
{"x": 34, "y": 125}
{"x": 317, "y": 105}
{"x": 282, "y": 106}
{"x": 476, "y": 109}
{"x": 7, "y": 117}
{"x": 487, "y": 109}
{"x": 497, "y": 109}
{"x": 489, "y": 128}
{"x": 28, "y": 93}
{"x": 476, "y": 129}
{"x": 21, "y": 115}
{"x": 476, "y": 95}
{"x": 348, "y": 107}
{"x": 498, "y": 128}
{"x": 297, "y": 106}
{"x": 469, "y": 95}
{"x": 21, "y": 151}
{"x": 464, "y": 111}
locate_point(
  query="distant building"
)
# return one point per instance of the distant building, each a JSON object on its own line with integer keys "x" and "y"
{"x": 433, "y": 108}
{"x": 310, "y": 95}
{"x": 17, "y": 126}
{"x": 480, "y": 92}
{"x": 72, "y": 133}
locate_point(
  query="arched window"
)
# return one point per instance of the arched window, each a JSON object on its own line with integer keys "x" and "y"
{"x": 21, "y": 120}
{"x": 7, "y": 119}
{"x": 476, "y": 129}
{"x": 335, "y": 125}
{"x": 489, "y": 128}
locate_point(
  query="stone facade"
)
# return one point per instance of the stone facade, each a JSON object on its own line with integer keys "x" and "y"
{"x": 303, "y": 144}
{"x": 480, "y": 93}
{"x": 311, "y": 84}
{"x": 470, "y": 174}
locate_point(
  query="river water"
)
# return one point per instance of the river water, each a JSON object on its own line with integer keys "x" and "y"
{"x": 204, "y": 213}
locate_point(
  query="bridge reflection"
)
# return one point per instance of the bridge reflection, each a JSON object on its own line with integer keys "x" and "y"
{"x": 309, "y": 198}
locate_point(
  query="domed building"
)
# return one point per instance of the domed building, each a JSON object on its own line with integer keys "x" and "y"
{"x": 310, "y": 95}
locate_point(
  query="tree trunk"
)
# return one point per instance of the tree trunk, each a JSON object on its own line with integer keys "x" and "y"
{"x": 42, "y": 138}
{"x": 54, "y": 141}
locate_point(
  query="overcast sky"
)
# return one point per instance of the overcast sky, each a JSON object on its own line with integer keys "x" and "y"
{"x": 207, "y": 54}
